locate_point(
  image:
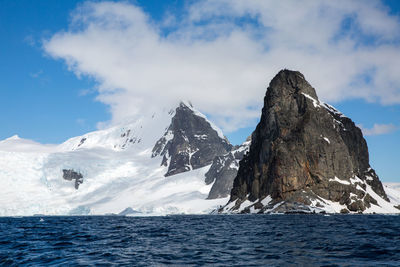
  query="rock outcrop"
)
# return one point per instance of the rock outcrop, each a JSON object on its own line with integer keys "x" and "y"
{"x": 69, "y": 175}
{"x": 304, "y": 153}
{"x": 190, "y": 142}
{"x": 224, "y": 170}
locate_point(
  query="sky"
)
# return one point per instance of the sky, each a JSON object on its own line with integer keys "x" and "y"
{"x": 69, "y": 67}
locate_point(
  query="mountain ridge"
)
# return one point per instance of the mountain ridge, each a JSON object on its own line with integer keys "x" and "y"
{"x": 176, "y": 161}
{"x": 190, "y": 142}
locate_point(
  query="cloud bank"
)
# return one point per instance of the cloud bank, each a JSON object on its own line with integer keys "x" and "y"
{"x": 220, "y": 55}
{"x": 378, "y": 129}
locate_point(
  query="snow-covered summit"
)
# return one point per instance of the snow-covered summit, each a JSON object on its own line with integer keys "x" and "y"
{"x": 115, "y": 169}
{"x": 14, "y": 137}
{"x": 18, "y": 144}
{"x": 141, "y": 133}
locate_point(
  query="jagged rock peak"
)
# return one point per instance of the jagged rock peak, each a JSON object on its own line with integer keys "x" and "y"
{"x": 304, "y": 153}
{"x": 190, "y": 142}
{"x": 288, "y": 82}
{"x": 223, "y": 171}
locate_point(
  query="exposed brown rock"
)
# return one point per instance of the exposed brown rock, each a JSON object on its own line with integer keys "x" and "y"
{"x": 304, "y": 150}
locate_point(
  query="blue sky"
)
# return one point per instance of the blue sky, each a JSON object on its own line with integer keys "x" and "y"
{"x": 43, "y": 98}
{"x": 40, "y": 98}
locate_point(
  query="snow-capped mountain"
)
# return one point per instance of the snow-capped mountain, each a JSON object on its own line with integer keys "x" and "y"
{"x": 190, "y": 142}
{"x": 175, "y": 161}
{"x": 116, "y": 169}
{"x": 139, "y": 134}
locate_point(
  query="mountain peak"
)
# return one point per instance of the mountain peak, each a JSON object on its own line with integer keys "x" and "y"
{"x": 186, "y": 104}
{"x": 14, "y": 137}
{"x": 303, "y": 153}
{"x": 288, "y": 82}
{"x": 190, "y": 142}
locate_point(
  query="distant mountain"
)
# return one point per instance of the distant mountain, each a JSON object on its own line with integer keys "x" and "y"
{"x": 116, "y": 170}
{"x": 190, "y": 142}
{"x": 305, "y": 156}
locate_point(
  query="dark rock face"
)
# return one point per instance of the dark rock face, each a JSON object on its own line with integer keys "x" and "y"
{"x": 190, "y": 142}
{"x": 305, "y": 151}
{"x": 223, "y": 171}
{"x": 73, "y": 175}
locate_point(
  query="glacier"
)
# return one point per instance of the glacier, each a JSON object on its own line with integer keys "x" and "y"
{"x": 118, "y": 171}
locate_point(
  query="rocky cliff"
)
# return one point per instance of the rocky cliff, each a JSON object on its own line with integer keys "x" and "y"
{"x": 190, "y": 142}
{"x": 224, "y": 169}
{"x": 304, "y": 156}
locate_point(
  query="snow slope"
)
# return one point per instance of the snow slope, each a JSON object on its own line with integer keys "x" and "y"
{"x": 118, "y": 172}
{"x": 323, "y": 205}
{"x": 17, "y": 144}
{"x": 139, "y": 134}
{"x": 392, "y": 191}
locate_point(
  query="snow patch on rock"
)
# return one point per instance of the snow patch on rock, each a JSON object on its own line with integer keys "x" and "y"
{"x": 339, "y": 181}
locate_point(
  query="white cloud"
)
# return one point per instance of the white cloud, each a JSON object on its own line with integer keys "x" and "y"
{"x": 379, "y": 129}
{"x": 222, "y": 54}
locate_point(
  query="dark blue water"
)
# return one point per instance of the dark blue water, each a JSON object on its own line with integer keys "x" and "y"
{"x": 242, "y": 240}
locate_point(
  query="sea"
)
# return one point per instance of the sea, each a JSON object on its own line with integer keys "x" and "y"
{"x": 209, "y": 240}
